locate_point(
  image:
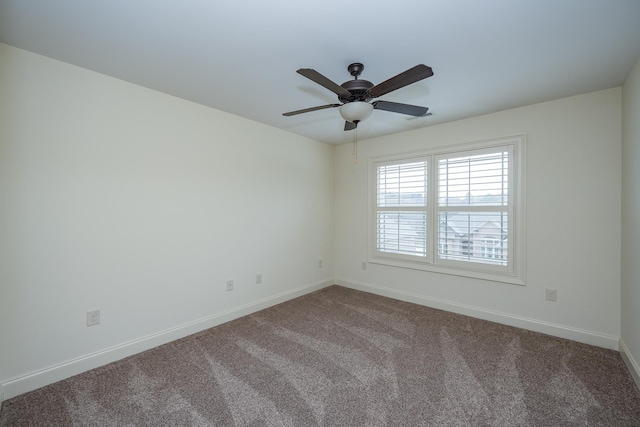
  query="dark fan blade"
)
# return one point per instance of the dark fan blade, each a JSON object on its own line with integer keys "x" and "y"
{"x": 350, "y": 126}
{"x": 395, "y": 107}
{"x": 306, "y": 110}
{"x": 412, "y": 75}
{"x": 323, "y": 81}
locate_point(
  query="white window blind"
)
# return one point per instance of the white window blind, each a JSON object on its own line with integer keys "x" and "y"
{"x": 473, "y": 206}
{"x": 401, "y": 202}
{"x": 457, "y": 211}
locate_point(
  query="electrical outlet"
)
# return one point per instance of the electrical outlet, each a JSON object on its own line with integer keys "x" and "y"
{"x": 550, "y": 294}
{"x": 93, "y": 317}
{"x": 319, "y": 263}
{"x": 364, "y": 265}
{"x": 229, "y": 285}
{"x": 258, "y": 278}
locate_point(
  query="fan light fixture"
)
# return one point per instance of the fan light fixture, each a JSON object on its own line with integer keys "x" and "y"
{"x": 356, "y": 111}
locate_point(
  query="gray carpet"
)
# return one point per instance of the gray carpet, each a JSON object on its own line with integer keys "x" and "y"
{"x": 339, "y": 357}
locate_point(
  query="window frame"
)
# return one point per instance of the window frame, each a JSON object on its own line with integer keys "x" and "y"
{"x": 514, "y": 272}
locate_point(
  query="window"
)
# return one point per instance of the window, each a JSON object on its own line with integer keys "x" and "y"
{"x": 401, "y": 216}
{"x": 457, "y": 211}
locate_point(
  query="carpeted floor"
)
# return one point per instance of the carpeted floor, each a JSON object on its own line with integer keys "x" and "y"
{"x": 339, "y": 357}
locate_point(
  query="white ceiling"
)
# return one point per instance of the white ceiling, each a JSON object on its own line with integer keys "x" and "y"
{"x": 242, "y": 56}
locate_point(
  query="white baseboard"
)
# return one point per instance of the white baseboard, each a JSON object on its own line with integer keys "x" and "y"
{"x": 561, "y": 331}
{"x": 631, "y": 363}
{"x": 35, "y": 380}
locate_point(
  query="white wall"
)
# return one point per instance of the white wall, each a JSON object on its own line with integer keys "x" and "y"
{"x": 630, "y": 324}
{"x": 141, "y": 205}
{"x": 573, "y": 196}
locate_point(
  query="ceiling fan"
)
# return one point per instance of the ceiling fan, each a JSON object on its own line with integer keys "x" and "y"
{"x": 355, "y": 95}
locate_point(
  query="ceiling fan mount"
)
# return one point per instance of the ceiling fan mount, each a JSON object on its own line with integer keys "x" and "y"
{"x": 355, "y": 69}
{"x": 362, "y": 91}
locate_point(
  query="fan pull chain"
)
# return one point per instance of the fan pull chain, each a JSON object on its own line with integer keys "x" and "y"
{"x": 355, "y": 144}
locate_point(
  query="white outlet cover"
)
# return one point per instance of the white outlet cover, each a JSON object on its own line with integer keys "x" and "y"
{"x": 229, "y": 285}
{"x": 93, "y": 317}
{"x": 550, "y": 294}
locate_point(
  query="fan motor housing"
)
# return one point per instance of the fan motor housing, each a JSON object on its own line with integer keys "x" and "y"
{"x": 358, "y": 89}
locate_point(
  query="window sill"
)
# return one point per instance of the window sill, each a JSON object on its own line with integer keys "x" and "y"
{"x": 452, "y": 271}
